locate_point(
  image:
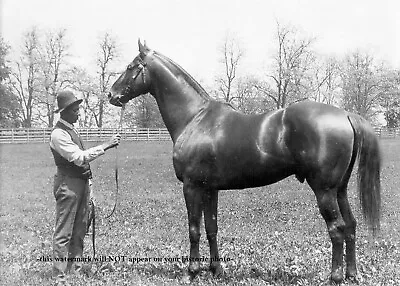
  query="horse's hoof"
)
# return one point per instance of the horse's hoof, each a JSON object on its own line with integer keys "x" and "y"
{"x": 352, "y": 278}
{"x": 217, "y": 271}
{"x": 351, "y": 274}
{"x": 337, "y": 277}
{"x": 188, "y": 277}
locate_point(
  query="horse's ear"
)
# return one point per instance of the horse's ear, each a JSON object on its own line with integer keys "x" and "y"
{"x": 143, "y": 49}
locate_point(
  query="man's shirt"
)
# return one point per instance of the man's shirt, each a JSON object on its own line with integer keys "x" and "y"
{"x": 61, "y": 142}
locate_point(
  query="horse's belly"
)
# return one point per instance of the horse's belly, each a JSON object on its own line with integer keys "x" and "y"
{"x": 251, "y": 175}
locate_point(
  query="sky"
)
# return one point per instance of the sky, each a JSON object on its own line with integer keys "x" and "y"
{"x": 191, "y": 32}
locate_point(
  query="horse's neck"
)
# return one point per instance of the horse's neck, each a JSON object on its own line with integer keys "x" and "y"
{"x": 178, "y": 101}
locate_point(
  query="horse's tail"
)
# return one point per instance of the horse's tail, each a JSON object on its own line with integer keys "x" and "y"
{"x": 369, "y": 186}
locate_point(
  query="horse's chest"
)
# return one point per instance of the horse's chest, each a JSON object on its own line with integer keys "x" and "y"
{"x": 195, "y": 158}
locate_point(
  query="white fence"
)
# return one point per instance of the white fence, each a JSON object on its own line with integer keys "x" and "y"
{"x": 387, "y": 133}
{"x": 26, "y": 135}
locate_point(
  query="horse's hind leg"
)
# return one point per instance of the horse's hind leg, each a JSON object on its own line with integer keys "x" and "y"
{"x": 329, "y": 208}
{"x": 210, "y": 203}
{"x": 350, "y": 223}
{"x": 193, "y": 198}
{"x": 350, "y": 233}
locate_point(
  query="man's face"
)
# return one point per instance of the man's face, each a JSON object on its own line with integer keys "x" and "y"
{"x": 71, "y": 114}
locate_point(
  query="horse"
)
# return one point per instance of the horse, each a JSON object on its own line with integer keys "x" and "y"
{"x": 216, "y": 147}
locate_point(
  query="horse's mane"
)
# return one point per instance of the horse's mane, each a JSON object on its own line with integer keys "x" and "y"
{"x": 198, "y": 88}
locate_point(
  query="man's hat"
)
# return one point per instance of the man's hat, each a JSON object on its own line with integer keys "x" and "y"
{"x": 65, "y": 99}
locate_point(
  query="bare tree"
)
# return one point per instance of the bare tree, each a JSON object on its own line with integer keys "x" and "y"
{"x": 85, "y": 85}
{"x": 326, "y": 81}
{"x": 232, "y": 53}
{"x": 8, "y": 102}
{"x": 249, "y": 98}
{"x": 290, "y": 69}
{"x": 390, "y": 100}
{"x": 363, "y": 83}
{"x": 145, "y": 113}
{"x": 107, "y": 54}
{"x": 53, "y": 58}
{"x": 25, "y": 77}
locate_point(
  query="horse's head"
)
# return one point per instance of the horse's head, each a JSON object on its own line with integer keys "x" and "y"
{"x": 134, "y": 81}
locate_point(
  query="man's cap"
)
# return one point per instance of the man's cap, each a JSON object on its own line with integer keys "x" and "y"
{"x": 66, "y": 99}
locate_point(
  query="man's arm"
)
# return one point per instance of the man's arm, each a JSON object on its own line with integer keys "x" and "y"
{"x": 61, "y": 141}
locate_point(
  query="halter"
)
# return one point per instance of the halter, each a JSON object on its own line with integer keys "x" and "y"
{"x": 141, "y": 70}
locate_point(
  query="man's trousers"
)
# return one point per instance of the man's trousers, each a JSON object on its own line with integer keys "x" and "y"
{"x": 71, "y": 196}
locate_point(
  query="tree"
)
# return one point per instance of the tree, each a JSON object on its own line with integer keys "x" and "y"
{"x": 326, "y": 81}
{"x": 25, "y": 77}
{"x": 392, "y": 116}
{"x": 363, "y": 84}
{"x": 145, "y": 113}
{"x": 390, "y": 101}
{"x": 290, "y": 68}
{"x": 52, "y": 60}
{"x": 231, "y": 55}
{"x": 250, "y": 99}
{"x": 85, "y": 85}
{"x": 8, "y": 102}
{"x": 4, "y": 69}
{"x": 108, "y": 53}
{"x": 39, "y": 74}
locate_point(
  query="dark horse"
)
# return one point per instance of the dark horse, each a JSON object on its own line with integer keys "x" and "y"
{"x": 217, "y": 147}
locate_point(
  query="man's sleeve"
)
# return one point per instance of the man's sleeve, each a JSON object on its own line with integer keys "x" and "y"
{"x": 61, "y": 142}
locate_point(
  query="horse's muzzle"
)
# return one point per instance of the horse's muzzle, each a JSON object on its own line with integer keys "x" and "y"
{"x": 115, "y": 100}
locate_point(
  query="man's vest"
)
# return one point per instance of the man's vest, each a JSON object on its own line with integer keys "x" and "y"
{"x": 69, "y": 168}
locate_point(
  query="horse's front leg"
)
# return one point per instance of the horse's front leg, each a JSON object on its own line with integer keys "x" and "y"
{"x": 210, "y": 202}
{"x": 194, "y": 204}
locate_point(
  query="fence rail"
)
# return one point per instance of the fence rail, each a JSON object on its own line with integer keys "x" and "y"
{"x": 27, "y": 135}
{"x": 387, "y": 133}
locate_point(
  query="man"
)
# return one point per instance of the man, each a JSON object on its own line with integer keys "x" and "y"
{"x": 71, "y": 186}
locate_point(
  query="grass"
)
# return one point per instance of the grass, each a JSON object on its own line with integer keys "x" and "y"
{"x": 272, "y": 235}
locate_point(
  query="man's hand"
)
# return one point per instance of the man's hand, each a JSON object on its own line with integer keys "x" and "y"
{"x": 112, "y": 142}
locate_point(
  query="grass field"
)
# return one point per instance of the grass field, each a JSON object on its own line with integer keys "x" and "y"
{"x": 272, "y": 235}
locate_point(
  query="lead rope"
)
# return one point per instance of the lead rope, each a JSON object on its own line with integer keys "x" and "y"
{"x": 93, "y": 216}
{"x": 93, "y": 228}
{"x": 116, "y": 164}
{"x": 92, "y": 222}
